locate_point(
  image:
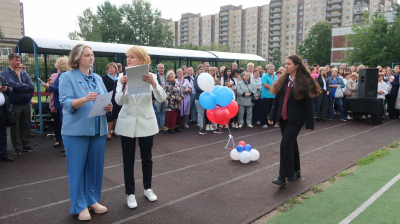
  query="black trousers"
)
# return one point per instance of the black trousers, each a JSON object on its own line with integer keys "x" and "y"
{"x": 128, "y": 152}
{"x": 256, "y": 111}
{"x": 21, "y": 130}
{"x": 322, "y": 101}
{"x": 393, "y": 112}
{"x": 57, "y": 126}
{"x": 3, "y": 133}
{"x": 266, "y": 106}
{"x": 290, "y": 156}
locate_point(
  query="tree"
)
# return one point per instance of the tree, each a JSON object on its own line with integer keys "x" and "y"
{"x": 1, "y": 33}
{"x": 317, "y": 47}
{"x": 277, "y": 58}
{"x": 110, "y": 22}
{"x": 372, "y": 43}
{"x": 89, "y": 28}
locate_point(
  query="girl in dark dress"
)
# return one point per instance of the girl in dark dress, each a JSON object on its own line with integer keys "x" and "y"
{"x": 110, "y": 81}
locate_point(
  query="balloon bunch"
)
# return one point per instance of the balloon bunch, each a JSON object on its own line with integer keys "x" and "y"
{"x": 245, "y": 153}
{"x": 216, "y": 95}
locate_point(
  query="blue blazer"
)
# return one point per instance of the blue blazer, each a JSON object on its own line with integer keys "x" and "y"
{"x": 75, "y": 122}
{"x": 54, "y": 89}
{"x": 395, "y": 86}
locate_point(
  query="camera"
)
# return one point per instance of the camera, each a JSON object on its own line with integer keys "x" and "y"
{"x": 3, "y": 84}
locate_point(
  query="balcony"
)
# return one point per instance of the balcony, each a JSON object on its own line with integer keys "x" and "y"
{"x": 274, "y": 28}
{"x": 184, "y": 34}
{"x": 331, "y": 2}
{"x": 223, "y": 24}
{"x": 224, "y": 34}
{"x": 334, "y": 15}
{"x": 185, "y": 20}
{"x": 225, "y": 13}
{"x": 276, "y": 22}
{"x": 334, "y": 8}
{"x": 357, "y": 18}
{"x": 274, "y": 45}
{"x": 184, "y": 29}
{"x": 277, "y": 16}
{"x": 225, "y": 18}
{"x": 358, "y": 4}
{"x": 360, "y": 12}
{"x": 184, "y": 42}
{"x": 335, "y": 21}
{"x": 224, "y": 29}
{"x": 184, "y": 38}
{"x": 275, "y": 4}
{"x": 184, "y": 24}
{"x": 275, "y": 34}
{"x": 275, "y": 10}
{"x": 223, "y": 39}
{"x": 275, "y": 40}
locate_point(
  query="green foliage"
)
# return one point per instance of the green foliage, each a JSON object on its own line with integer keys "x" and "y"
{"x": 345, "y": 173}
{"x": 317, "y": 47}
{"x": 277, "y": 59}
{"x": 332, "y": 179}
{"x": 374, "y": 42}
{"x": 136, "y": 23}
{"x": 317, "y": 188}
{"x": 294, "y": 201}
{"x": 1, "y": 33}
{"x": 211, "y": 47}
{"x": 372, "y": 157}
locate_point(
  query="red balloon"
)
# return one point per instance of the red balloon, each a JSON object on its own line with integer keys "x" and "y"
{"x": 210, "y": 115}
{"x": 222, "y": 116}
{"x": 242, "y": 143}
{"x": 233, "y": 108}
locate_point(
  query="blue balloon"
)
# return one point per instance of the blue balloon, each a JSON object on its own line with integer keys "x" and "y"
{"x": 224, "y": 96}
{"x": 240, "y": 148}
{"x": 208, "y": 101}
{"x": 247, "y": 147}
{"x": 215, "y": 90}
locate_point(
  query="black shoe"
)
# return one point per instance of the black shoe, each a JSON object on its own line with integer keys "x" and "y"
{"x": 177, "y": 130}
{"x": 193, "y": 122}
{"x": 202, "y": 131}
{"x": 63, "y": 155}
{"x": 281, "y": 181}
{"x": 171, "y": 131}
{"x": 318, "y": 120}
{"x": 322, "y": 119}
{"x": 62, "y": 150}
{"x": 7, "y": 159}
{"x": 297, "y": 174}
{"x": 57, "y": 144}
{"x": 29, "y": 149}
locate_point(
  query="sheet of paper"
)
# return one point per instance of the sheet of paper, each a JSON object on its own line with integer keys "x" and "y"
{"x": 136, "y": 85}
{"x": 102, "y": 101}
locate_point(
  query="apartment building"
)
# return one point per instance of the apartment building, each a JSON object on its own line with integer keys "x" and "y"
{"x": 12, "y": 25}
{"x": 281, "y": 24}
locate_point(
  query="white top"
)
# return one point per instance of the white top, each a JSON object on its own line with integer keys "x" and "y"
{"x": 345, "y": 84}
{"x": 2, "y": 99}
{"x": 222, "y": 84}
{"x": 382, "y": 86}
{"x": 324, "y": 84}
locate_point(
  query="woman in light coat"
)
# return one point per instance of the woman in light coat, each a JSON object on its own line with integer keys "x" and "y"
{"x": 186, "y": 91}
{"x": 352, "y": 85}
{"x": 245, "y": 91}
{"x": 137, "y": 120}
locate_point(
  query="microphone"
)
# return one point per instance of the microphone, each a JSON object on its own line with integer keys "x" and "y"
{"x": 123, "y": 84}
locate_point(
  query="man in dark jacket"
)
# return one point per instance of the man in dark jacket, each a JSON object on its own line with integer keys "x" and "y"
{"x": 22, "y": 88}
{"x": 4, "y": 92}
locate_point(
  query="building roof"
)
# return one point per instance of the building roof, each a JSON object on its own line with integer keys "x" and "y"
{"x": 63, "y": 47}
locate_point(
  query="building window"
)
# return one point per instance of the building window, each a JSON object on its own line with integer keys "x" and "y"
{"x": 323, "y": 9}
{"x": 292, "y": 43}
{"x": 308, "y": 5}
{"x": 322, "y": 15}
{"x": 314, "y": 16}
{"x": 288, "y": 14}
{"x": 313, "y": 23}
{"x": 293, "y": 14}
{"x": 299, "y": 43}
{"x": 6, "y": 50}
{"x": 307, "y": 11}
{"x": 294, "y": 19}
{"x": 293, "y": 25}
{"x": 300, "y": 18}
{"x": 292, "y": 37}
{"x": 287, "y": 26}
{"x": 288, "y": 8}
{"x": 348, "y": 3}
{"x": 301, "y": 7}
{"x": 307, "y": 17}
{"x": 315, "y": 3}
{"x": 288, "y": 20}
{"x": 287, "y": 43}
{"x": 314, "y": 10}
{"x": 300, "y": 31}
{"x": 347, "y": 10}
{"x": 347, "y": 17}
{"x": 301, "y": 13}
{"x": 323, "y": 3}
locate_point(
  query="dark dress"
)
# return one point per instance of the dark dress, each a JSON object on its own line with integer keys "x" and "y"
{"x": 111, "y": 85}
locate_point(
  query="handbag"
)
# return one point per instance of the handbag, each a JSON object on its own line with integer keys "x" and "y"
{"x": 253, "y": 98}
{"x": 10, "y": 116}
{"x": 347, "y": 92}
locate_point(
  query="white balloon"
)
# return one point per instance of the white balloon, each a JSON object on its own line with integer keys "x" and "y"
{"x": 235, "y": 154}
{"x": 245, "y": 157}
{"x": 255, "y": 154}
{"x": 205, "y": 82}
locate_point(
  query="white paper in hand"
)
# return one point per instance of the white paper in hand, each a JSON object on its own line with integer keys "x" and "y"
{"x": 136, "y": 85}
{"x": 98, "y": 107}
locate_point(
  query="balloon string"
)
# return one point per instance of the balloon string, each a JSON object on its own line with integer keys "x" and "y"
{"x": 230, "y": 139}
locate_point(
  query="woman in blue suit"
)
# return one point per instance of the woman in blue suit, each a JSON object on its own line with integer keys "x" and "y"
{"x": 84, "y": 138}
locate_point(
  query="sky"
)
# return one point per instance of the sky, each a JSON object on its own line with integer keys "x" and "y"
{"x": 55, "y": 18}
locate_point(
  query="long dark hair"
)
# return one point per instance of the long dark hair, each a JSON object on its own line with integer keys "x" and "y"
{"x": 226, "y": 75}
{"x": 302, "y": 85}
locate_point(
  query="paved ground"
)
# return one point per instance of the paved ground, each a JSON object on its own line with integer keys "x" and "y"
{"x": 193, "y": 176}
{"x": 345, "y": 196}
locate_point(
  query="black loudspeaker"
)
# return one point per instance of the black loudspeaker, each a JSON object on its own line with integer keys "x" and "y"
{"x": 368, "y": 83}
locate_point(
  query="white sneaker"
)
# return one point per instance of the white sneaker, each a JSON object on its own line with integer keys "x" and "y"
{"x": 276, "y": 126}
{"x": 249, "y": 125}
{"x": 258, "y": 122}
{"x": 369, "y": 116}
{"x": 240, "y": 125}
{"x": 348, "y": 117}
{"x": 265, "y": 126}
{"x": 131, "y": 201}
{"x": 150, "y": 195}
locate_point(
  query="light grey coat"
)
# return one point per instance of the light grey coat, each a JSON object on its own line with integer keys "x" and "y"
{"x": 243, "y": 88}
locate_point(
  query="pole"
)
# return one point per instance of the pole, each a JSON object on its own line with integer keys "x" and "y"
{"x": 45, "y": 66}
{"x": 175, "y": 65}
{"x": 38, "y": 88}
{"x": 180, "y": 63}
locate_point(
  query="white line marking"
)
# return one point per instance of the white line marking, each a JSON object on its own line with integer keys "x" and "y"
{"x": 113, "y": 166}
{"x": 169, "y": 172}
{"x": 371, "y": 200}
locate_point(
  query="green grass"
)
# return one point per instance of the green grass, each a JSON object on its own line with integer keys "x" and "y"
{"x": 372, "y": 157}
{"x": 317, "y": 188}
{"x": 345, "y": 173}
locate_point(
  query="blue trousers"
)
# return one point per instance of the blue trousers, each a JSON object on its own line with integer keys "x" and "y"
{"x": 85, "y": 164}
{"x": 339, "y": 102}
{"x": 161, "y": 113}
{"x": 193, "y": 109}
